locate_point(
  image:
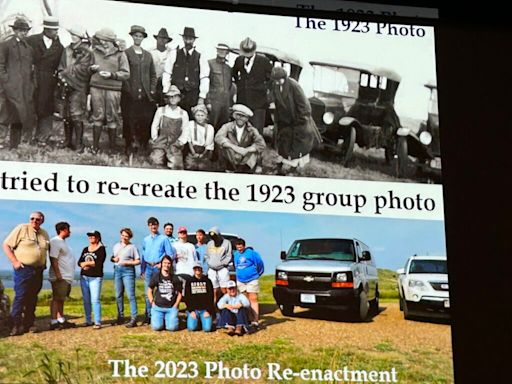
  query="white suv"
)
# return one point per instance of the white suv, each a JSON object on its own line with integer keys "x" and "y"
{"x": 423, "y": 287}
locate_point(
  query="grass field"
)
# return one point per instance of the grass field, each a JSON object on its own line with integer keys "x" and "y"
{"x": 420, "y": 352}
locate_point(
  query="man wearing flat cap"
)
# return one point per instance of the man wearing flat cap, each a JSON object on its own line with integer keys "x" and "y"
{"x": 47, "y": 53}
{"x": 139, "y": 91}
{"x": 18, "y": 83}
{"x": 186, "y": 69}
{"x": 221, "y": 91}
{"x": 251, "y": 73}
{"x": 240, "y": 144}
{"x": 74, "y": 78}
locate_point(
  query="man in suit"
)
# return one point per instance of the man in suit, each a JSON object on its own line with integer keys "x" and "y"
{"x": 186, "y": 69}
{"x": 251, "y": 73}
{"x": 47, "y": 53}
{"x": 139, "y": 91}
{"x": 240, "y": 144}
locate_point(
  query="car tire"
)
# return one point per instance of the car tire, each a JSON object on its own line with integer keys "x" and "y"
{"x": 362, "y": 307}
{"x": 407, "y": 314}
{"x": 286, "y": 309}
{"x": 401, "y": 303}
{"x": 374, "y": 304}
{"x": 404, "y": 166}
{"x": 347, "y": 148}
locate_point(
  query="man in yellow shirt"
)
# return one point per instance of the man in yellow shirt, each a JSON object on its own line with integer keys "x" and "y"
{"x": 26, "y": 248}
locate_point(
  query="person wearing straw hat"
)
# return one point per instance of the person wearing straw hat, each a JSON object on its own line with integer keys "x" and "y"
{"x": 251, "y": 73}
{"x": 74, "y": 76}
{"x": 200, "y": 137}
{"x": 160, "y": 54}
{"x": 110, "y": 69}
{"x": 168, "y": 132}
{"x": 221, "y": 90}
{"x": 47, "y": 53}
{"x": 187, "y": 69}
{"x": 17, "y": 84}
{"x": 139, "y": 91}
{"x": 240, "y": 144}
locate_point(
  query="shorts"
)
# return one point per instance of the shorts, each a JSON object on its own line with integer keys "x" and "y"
{"x": 61, "y": 289}
{"x": 252, "y": 286}
{"x": 219, "y": 278}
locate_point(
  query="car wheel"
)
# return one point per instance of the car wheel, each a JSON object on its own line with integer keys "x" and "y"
{"x": 405, "y": 166}
{"x": 361, "y": 310}
{"x": 374, "y": 304}
{"x": 286, "y": 310}
{"x": 407, "y": 314}
{"x": 347, "y": 148}
{"x": 401, "y": 303}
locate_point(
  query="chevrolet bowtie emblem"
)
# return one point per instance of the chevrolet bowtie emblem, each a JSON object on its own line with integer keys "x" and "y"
{"x": 309, "y": 279}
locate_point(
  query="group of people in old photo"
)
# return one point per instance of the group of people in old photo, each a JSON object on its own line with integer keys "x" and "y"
{"x": 173, "y": 106}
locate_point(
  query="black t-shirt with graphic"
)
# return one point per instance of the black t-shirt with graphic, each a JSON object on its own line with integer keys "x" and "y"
{"x": 98, "y": 256}
{"x": 165, "y": 289}
{"x": 199, "y": 294}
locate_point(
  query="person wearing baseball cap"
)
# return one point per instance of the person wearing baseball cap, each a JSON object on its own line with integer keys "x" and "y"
{"x": 138, "y": 94}
{"x": 91, "y": 277}
{"x": 221, "y": 90}
{"x": 47, "y": 53}
{"x": 233, "y": 311}
{"x": 185, "y": 256}
{"x": 199, "y": 299}
{"x": 240, "y": 144}
{"x": 252, "y": 78}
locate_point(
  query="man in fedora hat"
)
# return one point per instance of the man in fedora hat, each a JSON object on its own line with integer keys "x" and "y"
{"x": 240, "y": 144}
{"x": 47, "y": 53}
{"x": 110, "y": 69}
{"x": 139, "y": 92}
{"x": 74, "y": 75}
{"x": 17, "y": 84}
{"x": 160, "y": 54}
{"x": 221, "y": 90}
{"x": 251, "y": 73}
{"x": 186, "y": 69}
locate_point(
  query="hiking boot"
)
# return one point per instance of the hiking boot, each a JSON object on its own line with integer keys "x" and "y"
{"x": 132, "y": 323}
{"x": 239, "y": 331}
{"x": 16, "y": 331}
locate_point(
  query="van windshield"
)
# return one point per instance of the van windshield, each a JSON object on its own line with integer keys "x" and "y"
{"x": 428, "y": 266}
{"x": 322, "y": 249}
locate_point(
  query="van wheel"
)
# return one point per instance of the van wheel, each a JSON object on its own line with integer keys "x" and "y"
{"x": 286, "y": 310}
{"x": 374, "y": 304}
{"x": 361, "y": 310}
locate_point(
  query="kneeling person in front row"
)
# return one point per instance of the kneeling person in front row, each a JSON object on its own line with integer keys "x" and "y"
{"x": 199, "y": 298}
{"x": 164, "y": 294}
{"x": 233, "y": 311}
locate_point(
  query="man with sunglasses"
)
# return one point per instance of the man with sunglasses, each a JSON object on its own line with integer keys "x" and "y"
{"x": 26, "y": 248}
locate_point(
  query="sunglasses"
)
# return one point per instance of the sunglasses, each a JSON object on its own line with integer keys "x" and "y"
{"x": 36, "y": 219}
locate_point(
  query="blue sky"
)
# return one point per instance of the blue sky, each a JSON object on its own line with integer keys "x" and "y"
{"x": 391, "y": 240}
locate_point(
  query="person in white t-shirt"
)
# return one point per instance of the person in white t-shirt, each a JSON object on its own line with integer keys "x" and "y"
{"x": 186, "y": 256}
{"x": 61, "y": 275}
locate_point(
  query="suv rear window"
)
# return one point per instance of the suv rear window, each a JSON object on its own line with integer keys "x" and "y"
{"x": 428, "y": 266}
{"x": 324, "y": 249}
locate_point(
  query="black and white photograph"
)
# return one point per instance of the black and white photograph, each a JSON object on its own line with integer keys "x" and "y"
{"x": 135, "y": 85}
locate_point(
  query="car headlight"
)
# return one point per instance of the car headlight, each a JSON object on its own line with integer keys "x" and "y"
{"x": 281, "y": 275}
{"x": 328, "y": 118}
{"x": 341, "y": 277}
{"x": 417, "y": 284}
{"x": 425, "y": 138}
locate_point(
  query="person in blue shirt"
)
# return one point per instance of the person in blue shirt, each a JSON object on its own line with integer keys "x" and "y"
{"x": 233, "y": 311}
{"x": 201, "y": 249}
{"x": 154, "y": 247}
{"x": 249, "y": 267}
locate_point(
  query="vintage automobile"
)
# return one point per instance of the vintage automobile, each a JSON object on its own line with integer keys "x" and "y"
{"x": 334, "y": 273}
{"x": 423, "y": 287}
{"x": 354, "y": 103}
{"x": 423, "y": 145}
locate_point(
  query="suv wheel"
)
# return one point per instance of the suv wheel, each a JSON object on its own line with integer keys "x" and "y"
{"x": 286, "y": 310}
{"x": 361, "y": 310}
{"x": 407, "y": 315}
{"x": 401, "y": 303}
{"x": 374, "y": 304}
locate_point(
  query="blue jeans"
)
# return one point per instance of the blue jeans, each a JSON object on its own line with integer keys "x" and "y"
{"x": 27, "y": 284}
{"x": 124, "y": 279}
{"x": 91, "y": 292}
{"x": 206, "y": 322}
{"x": 147, "y": 278}
{"x": 159, "y": 315}
{"x": 229, "y": 318}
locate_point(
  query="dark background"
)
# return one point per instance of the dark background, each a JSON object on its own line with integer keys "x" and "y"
{"x": 474, "y": 64}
